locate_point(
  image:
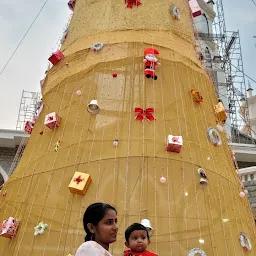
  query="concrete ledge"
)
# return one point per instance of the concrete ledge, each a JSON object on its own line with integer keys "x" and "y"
{"x": 244, "y": 152}
{"x": 248, "y": 176}
{"x": 11, "y": 138}
{"x": 248, "y": 170}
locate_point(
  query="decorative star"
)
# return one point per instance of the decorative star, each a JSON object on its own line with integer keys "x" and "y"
{"x": 40, "y": 228}
{"x": 78, "y": 179}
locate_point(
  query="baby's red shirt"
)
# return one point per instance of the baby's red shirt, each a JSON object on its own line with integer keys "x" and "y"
{"x": 145, "y": 253}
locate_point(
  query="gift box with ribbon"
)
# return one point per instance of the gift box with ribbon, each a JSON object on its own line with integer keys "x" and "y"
{"x": 56, "y": 57}
{"x": 9, "y": 227}
{"x": 220, "y": 112}
{"x": 174, "y": 143}
{"x": 28, "y": 127}
{"x": 80, "y": 183}
{"x": 52, "y": 120}
{"x": 195, "y": 8}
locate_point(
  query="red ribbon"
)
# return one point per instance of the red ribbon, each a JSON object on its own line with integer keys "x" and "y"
{"x": 78, "y": 179}
{"x": 50, "y": 118}
{"x": 175, "y": 139}
{"x": 144, "y": 113}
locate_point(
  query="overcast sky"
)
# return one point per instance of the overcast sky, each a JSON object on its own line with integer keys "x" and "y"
{"x": 28, "y": 65}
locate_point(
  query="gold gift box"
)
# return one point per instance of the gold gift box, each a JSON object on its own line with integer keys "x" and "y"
{"x": 80, "y": 183}
{"x": 220, "y": 112}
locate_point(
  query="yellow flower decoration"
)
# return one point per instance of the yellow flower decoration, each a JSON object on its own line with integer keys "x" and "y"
{"x": 56, "y": 146}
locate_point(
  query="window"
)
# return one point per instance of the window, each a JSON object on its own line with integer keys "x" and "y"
{"x": 205, "y": 24}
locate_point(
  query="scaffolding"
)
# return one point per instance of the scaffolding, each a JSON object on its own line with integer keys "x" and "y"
{"x": 30, "y": 101}
{"x": 231, "y": 63}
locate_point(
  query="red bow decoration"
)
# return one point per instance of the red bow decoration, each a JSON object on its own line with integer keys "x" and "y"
{"x": 175, "y": 139}
{"x": 144, "y": 113}
{"x": 50, "y": 118}
{"x": 130, "y": 3}
{"x": 78, "y": 179}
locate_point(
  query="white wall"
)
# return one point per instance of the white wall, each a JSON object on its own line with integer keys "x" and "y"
{"x": 3, "y": 174}
{"x": 252, "y": 113}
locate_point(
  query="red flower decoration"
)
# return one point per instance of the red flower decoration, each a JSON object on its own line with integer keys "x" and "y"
{"x": 175, "y": 139}
{"x": 41, "y": 132}
{"x": 130, "y": 3}
{"x": 114, "y": 75}
{"x": 78, "y": 179}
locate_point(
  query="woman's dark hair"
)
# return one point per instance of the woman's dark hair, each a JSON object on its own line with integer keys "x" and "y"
{"x": 93, "y": 214}
{"x": 133, "y": 227}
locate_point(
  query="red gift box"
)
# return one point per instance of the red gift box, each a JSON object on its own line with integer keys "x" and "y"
{"x": 195, "y": 8}
{"x": 174, "y": 143}
{"x": 52, "y": 120}
{"x": 56, "y": 57}
{"x": 28, "y": 127}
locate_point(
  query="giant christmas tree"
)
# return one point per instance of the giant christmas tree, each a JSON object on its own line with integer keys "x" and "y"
{"x": 122, "y": 142}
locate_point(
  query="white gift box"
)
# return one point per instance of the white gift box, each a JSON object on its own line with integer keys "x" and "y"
{"x": 174, "y": 143}
{"x": 52, "y": 120}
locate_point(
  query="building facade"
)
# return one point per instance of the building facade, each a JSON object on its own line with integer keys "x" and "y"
{"x": 242, "y": 144}
{"x": 9, "y": 145}
{"x": 246, "y": 154}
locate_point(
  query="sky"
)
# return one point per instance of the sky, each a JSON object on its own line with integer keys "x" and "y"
{"x": 29, "y": 63}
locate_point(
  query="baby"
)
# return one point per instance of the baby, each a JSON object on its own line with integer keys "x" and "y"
{"x": 137, "y": 240}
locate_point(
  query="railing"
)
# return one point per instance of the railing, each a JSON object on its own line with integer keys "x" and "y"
{"x": 208, "y": 36}
{"x": 248, "y": 174}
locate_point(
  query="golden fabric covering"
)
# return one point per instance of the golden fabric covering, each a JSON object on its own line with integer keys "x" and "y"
{"x": 128, "y": 175}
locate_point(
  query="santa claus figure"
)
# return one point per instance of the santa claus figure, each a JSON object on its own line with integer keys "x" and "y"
{"x": 150, "y": 62}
